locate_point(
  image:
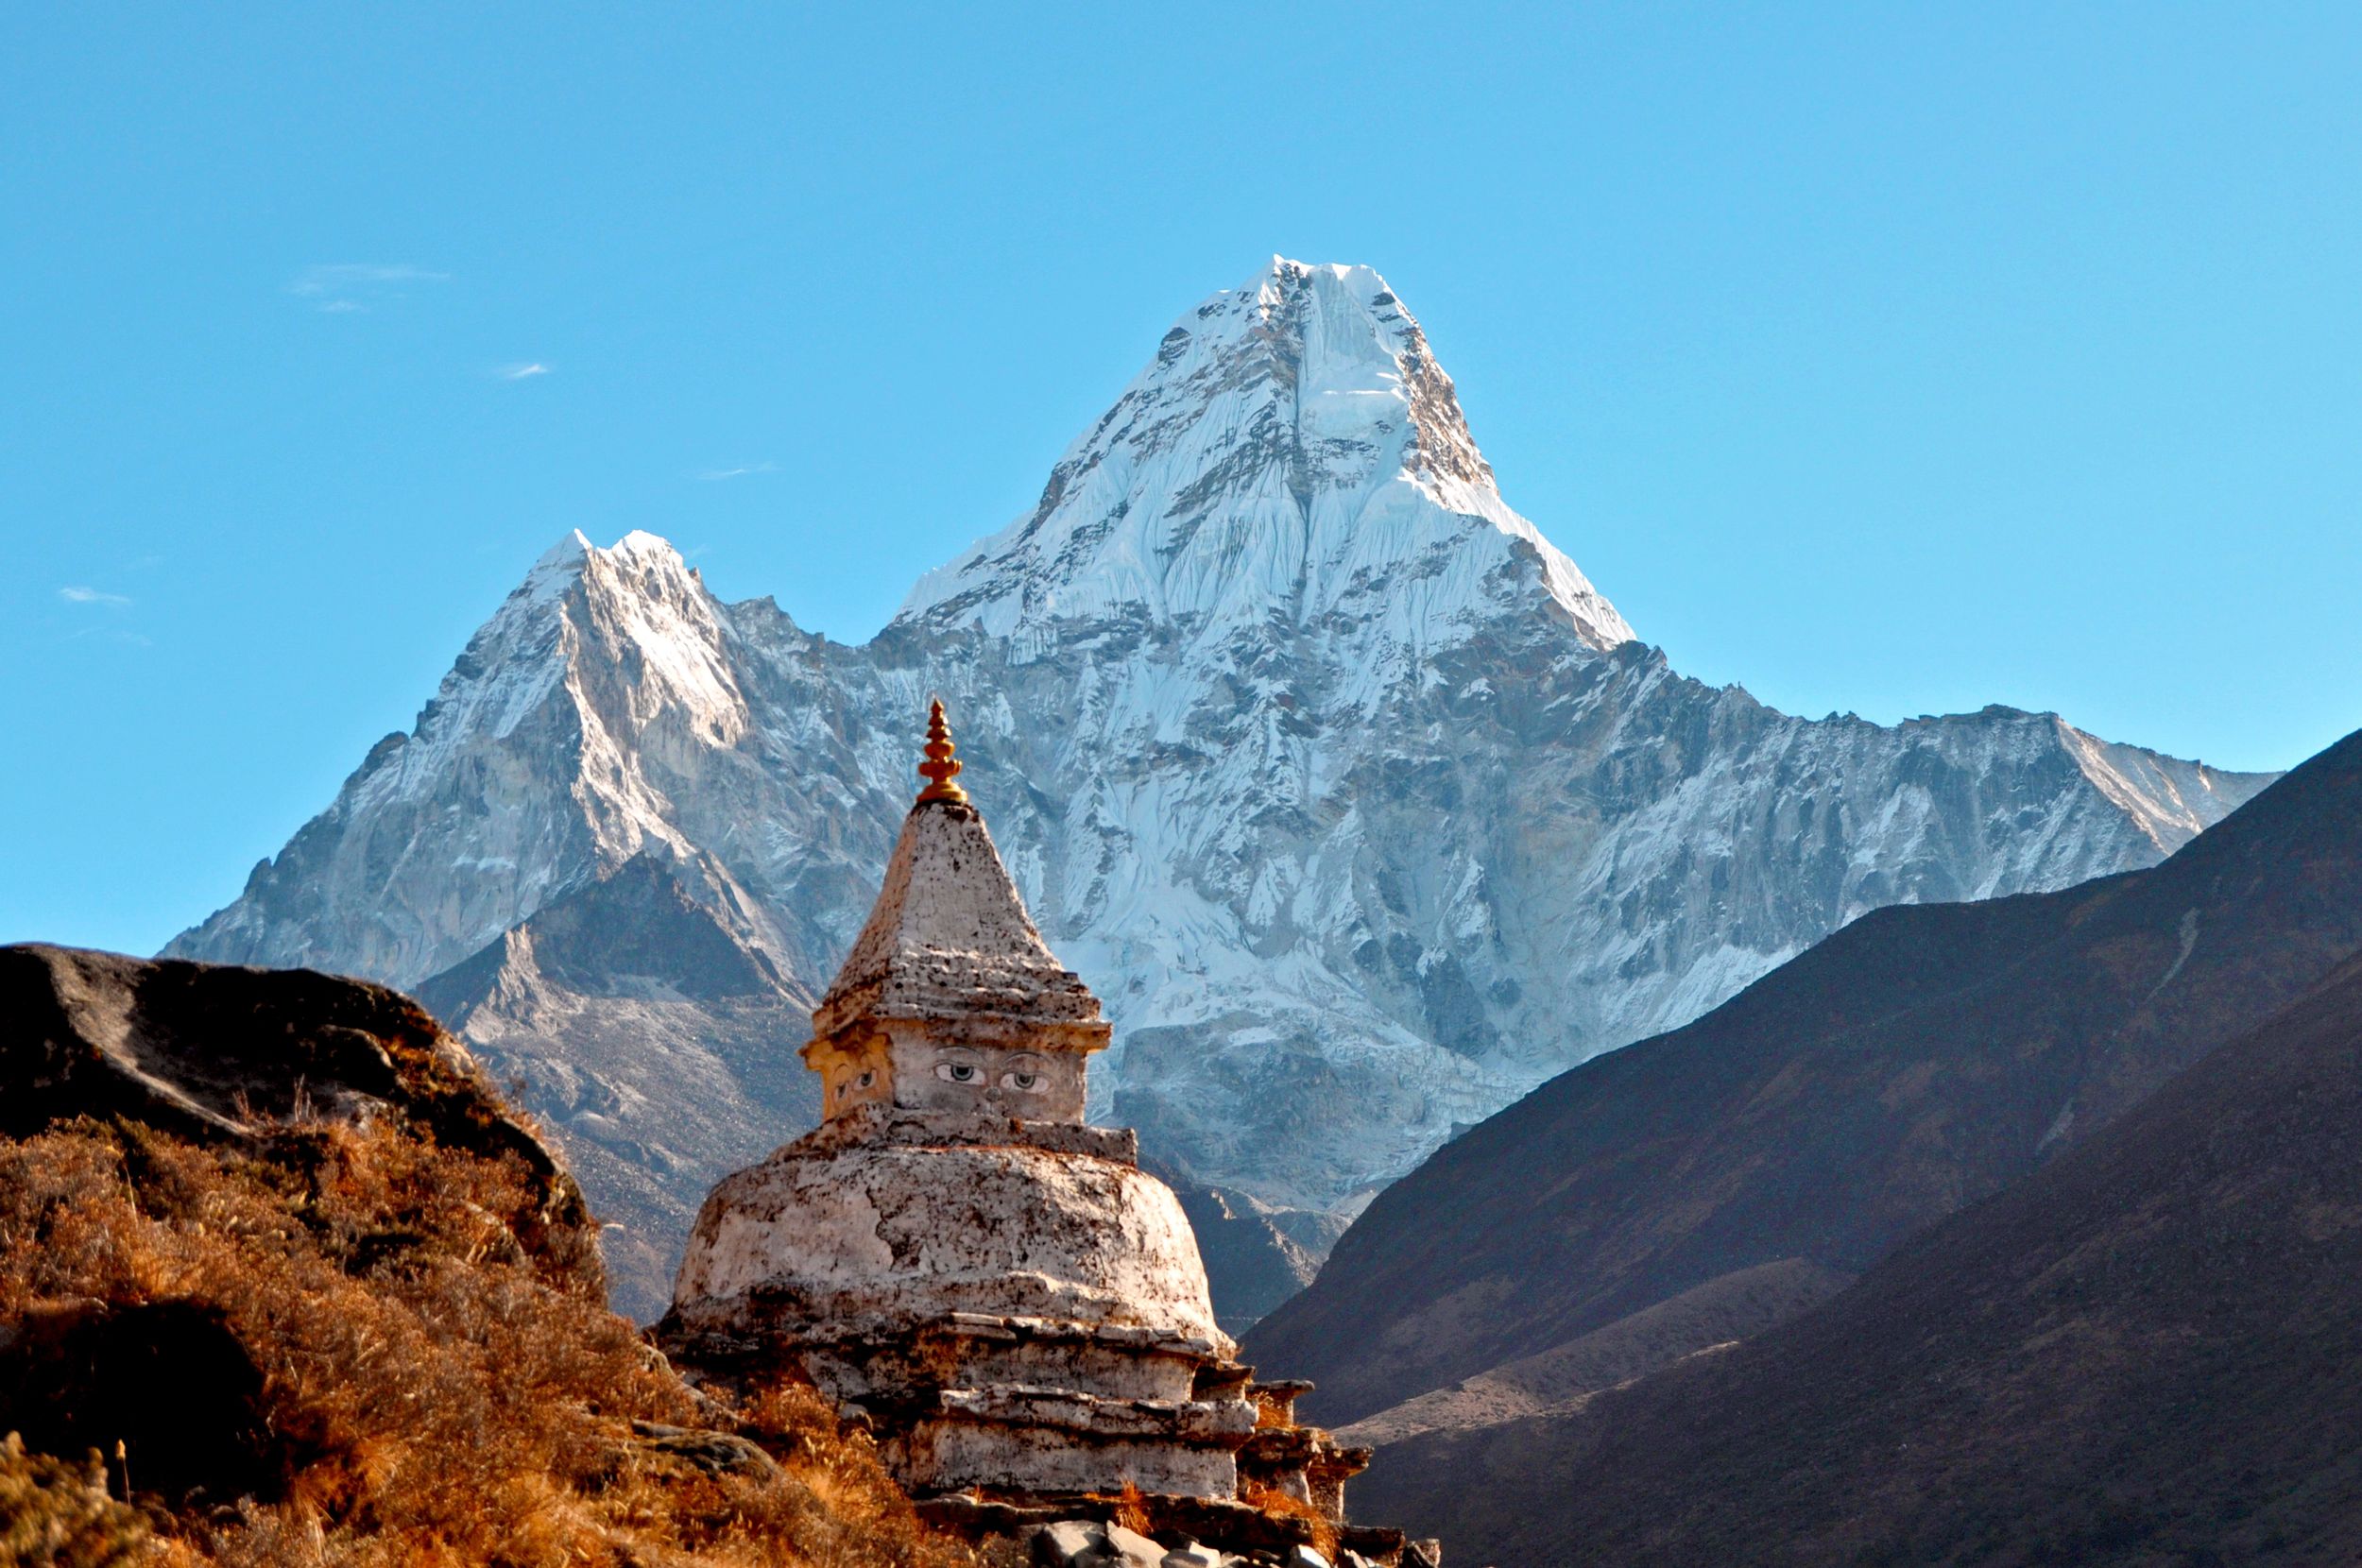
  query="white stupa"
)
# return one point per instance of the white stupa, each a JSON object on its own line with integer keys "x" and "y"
{"x": 955, "y": 1254}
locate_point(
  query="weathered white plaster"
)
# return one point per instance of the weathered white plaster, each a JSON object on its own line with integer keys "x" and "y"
{"x": 917, "y": 1233}
{"x": 949, "y": 938}
{"x": 946, "y": 1455}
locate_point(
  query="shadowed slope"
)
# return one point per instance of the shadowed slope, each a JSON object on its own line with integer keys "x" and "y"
{"x": 2150, "y": 1351}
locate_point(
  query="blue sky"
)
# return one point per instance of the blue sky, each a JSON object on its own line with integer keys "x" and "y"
{"x": 1891, "y": 359}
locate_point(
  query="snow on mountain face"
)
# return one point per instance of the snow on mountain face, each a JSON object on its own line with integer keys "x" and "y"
{"x": 1294, "y": 449}
{"x": 561, "y": 737}
{"x": 1360, "y": 809}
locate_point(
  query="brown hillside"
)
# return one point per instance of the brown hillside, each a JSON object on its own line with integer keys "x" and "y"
{"x": 1739, "y": 1305}
{"x": 273, "y": 1234}
{"x": 2149, "y": 1353}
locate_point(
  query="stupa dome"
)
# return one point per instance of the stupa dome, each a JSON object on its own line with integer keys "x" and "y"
{"x": 889, "y": 1236}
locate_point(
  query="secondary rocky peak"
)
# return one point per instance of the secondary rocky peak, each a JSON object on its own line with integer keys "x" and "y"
{"x": 639, "y": 564}
{"x": 600, "y": 690}
{"x": 637, "y": 590}
{"x": 1293, "y": 441}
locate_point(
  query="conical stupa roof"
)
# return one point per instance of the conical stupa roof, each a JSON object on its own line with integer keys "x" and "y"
{"x": 948, "y": 937}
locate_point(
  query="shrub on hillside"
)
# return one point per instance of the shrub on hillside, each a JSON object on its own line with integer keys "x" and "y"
{"x": 58, "y": 1515}
{"x": 329, "y": 1346}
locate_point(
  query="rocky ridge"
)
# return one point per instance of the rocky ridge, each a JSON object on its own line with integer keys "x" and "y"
{"x": 1917, "y": 1061}
{"x": 1361, "y": 808}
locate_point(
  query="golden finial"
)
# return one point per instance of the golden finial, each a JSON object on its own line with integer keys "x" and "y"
{"x": 939, "y": 768}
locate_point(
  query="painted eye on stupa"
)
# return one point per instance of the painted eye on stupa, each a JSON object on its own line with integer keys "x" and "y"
{"x": 1025, "y": 1076}
{"x": 957, "y": 1072}
{"x": 868, "y": 1078}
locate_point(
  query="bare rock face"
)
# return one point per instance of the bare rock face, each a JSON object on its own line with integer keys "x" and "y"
{"x": 956, "y": 1256}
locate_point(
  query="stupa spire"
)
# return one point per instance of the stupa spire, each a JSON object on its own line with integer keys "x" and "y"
{"x": 940, "y": 767}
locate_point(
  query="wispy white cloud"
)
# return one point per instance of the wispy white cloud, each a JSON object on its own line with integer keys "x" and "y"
{"x": 520, "y": 372}
{"x": 741, "y": 471}
{"x": 337, "y": 287}
{"x": 81, "y": 595}
{"x": 342, "y": 277}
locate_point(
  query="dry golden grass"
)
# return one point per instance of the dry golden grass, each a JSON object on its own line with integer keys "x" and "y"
{"x": 54, "y": 1512}
{"x": 1279, "y": 1504}
{"x": 434, "y": 1394}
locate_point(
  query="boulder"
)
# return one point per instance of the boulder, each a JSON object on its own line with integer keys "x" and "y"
{"x": 715, "y": 1453}
{"x": 1068, "y": 1543}
{"x": 220, "y": 1053}
{"x": 1131, "y": 1549}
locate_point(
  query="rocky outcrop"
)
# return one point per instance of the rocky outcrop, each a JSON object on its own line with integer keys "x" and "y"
{"x": 218, "y": 1052}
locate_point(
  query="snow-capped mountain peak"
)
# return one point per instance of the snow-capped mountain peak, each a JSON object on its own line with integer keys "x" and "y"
{"x": 583, "y": 616}
{"x": 1294, "y": 442}
{"x": 605, "y": 672}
